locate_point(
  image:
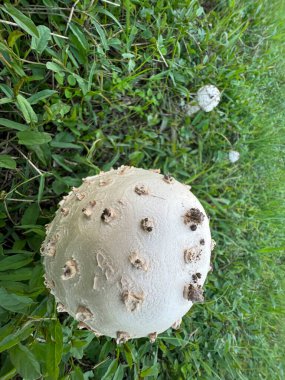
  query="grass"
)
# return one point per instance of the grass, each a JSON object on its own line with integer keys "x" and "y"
{"x": 99, "y": 85}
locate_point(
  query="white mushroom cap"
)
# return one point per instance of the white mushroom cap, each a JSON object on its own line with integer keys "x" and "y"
{"x": 234, "y": 156}
{"x": 127, "y": 253}
{"x": 208, "y": 97}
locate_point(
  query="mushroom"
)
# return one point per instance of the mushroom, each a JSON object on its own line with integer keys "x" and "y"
{"x": 134, "y": 261}
{"x": 207, "y": 98}
{"x": 234, "y": 156}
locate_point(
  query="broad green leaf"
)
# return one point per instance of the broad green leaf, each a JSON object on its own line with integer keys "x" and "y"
{"x": 271, "y": 249}
{"x": 119, "y": 374}
{"x": 109, "y": 14}
{"x": 5, "y": 100}
{"x": 41, "y": 188}
{"x": 11, "y": 374}
{"x": 101, "y": 33}
{"x": 36, "y": 280}
{"x": 30, "y": 215}
{"x": 21, "y": 274}
{"x": 128, "y": 354}
{"x": 90, "y": 76}
{"x": 80, "y": 341}
{"x": 77, "y": 374}
{"x": 42, "y": 152}
{"x": 7, "y": 162}
{"x": 82, "y": 83}
{"x": 56, "y": 111}
{"x": 60, "y": 160}
{"x": 13, "y": 124}
{"x": 13, "y": 37}
{"x": 111, "y": 370}
{"x": 40, "y": 43}
{"x": 54, "y": 67}
{"x": 26, "y": 109}
{"x": 33, "y": 137}
{"x": 54, "y": 350}
{"x": 10, "y": 336}
{"x": 112, "y": 162}
{"x": 13, "y": 302}
{"x": 79, "y": 35}
{"x": 7, "y": 90}
{"x": 62, "y": 144}
{"x": 21, "y": 20}
{"x": 41, "y": 95}
{"x": 15, "y": 261}
{"x": 136, "y": 157}
{"x": 25, "y": 362}
{"x": 71, "y": 80}
{"x": 18, "y": 68}
{"x": 151, "y": 371}
{"x": 15, "y": 287}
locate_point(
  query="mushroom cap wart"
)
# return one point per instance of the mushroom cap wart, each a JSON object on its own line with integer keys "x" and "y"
{"x": 208, "y": 97}
{"x": 127, "y": 253}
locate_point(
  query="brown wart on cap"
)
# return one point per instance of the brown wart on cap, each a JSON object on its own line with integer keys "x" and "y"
{"x": 141, "y": 190}
{"x": 64, "y": 211}
{"x": 147, "y": 224}
{"x": 83, "y": 313}
{"x": 82, "y": 325}
{"x": 132, "y": 300}
{"x": 107, "y": 215}
{"x": 192, "y": 254}
{"x": 60, "y": 308}
{"x": 105, "y": 182}
{"x": 138, "y": 262}
{"x": 69, "y": 270}
{"x": 47, "y": 227}
{"x": 193, "y": 292}
{"x": 155, "y": 171}
{"x": 168, "y": 179}
{"x": 86, "y": 181}
{"x": 123, "y": 169}
{"x": 49, "y": 283}
{"x": 122, "y": 337}
{"x": 152, "y": 337}
{"x": 49, "y": 248}
{"x": 79, "y": 195}
{"x": 193, "y": 216}
{"x": 213, "y": 244}
{"x": 176, "y": 325}
{"x": 88, "y": 210}
{"x": 196, "y": 277}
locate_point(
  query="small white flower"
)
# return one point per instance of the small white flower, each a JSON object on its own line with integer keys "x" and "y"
{"x": 233, "y": 156}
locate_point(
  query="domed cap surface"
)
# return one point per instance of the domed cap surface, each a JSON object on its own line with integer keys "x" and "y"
{"x": 208, "y": 97}
{"x": 127, "y": 253}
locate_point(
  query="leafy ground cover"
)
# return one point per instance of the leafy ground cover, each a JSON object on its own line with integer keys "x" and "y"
{"x": 86, "y": 86}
